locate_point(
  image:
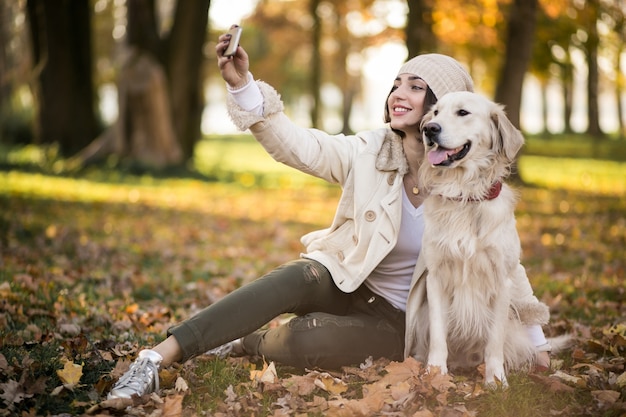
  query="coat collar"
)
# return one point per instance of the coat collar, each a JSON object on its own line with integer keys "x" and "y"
{"x": 391, "y": 156}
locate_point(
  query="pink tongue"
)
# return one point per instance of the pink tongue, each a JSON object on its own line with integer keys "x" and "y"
{"x": 437, "y": 156}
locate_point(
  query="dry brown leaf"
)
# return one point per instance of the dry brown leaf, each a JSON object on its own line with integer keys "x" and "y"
{"x": 300, "y": 384}
{"x": 553, "y": 384}
{"x": 423, "y": 413}
{"x": 605, "y": 397}
{"x": 13, "y": 392}
{"x": 569, "y": 378}
{"x": 400, "y": 390}
{"x": 442, "y": 382}
{"x": 173, "y": 406}
{"x": 375, "y": 400}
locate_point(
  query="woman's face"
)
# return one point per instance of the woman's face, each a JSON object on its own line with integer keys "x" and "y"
{"x": 406, "y": 103}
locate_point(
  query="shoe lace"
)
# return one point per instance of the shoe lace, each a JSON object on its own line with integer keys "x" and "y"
{"x": 141, "y": 375}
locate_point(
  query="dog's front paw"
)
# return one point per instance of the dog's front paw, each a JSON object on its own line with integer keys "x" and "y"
{"x": 438, "y": 361}
{"x": 434, "y": 369}
{"x": 495, "y": 377}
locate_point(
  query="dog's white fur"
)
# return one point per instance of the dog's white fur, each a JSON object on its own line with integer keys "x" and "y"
{"x": 471, "y": 245}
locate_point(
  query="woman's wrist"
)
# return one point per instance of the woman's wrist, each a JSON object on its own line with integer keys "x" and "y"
{"x": 241, "y": 84}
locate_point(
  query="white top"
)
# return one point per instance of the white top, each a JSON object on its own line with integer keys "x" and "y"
{"x": 391, "y": 279}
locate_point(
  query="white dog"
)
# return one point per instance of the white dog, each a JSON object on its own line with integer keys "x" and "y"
{"x": 471, "y": 245}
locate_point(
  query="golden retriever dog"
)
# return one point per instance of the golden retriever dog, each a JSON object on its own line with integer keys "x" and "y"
{"x": 471, "y": 245}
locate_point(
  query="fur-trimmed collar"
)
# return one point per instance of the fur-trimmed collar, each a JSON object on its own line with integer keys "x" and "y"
{"x": 391, "y": 156}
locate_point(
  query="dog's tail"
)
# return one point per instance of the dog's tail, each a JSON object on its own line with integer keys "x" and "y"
{"x": 560, "y": 343}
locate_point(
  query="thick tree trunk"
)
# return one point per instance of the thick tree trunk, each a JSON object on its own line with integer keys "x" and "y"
{"x": 144, "y": 127}
{"x": 591, "y": 46}
{"x": 519, "y": 41}
{"x": 60, "y": 32}
{"x": 419, "y": 29}
{"x": 184, "y": 68}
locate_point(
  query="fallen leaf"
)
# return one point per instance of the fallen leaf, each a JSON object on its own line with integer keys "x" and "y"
{"x": 552, "y": 384}
{"x": 181, "y": 385}
{"x": 267, "y": 374}
{"x": 13, "y": 392}
{"x": 569, "y": 378}
{"x": 423, "y": 413}
{"x": 173, "y": 406}
{"x": 300, "y": 384}
{"x": 442, "y": 382}
{"x": 605, "y": 397}
{"x": 330, "y": 384}
{"x": 70, "y": 374}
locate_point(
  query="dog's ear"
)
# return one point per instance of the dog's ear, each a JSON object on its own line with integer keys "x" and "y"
{"x": 508, "y": 140}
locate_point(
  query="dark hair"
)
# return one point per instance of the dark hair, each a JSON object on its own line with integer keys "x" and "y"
{"x": 429, "y": 100}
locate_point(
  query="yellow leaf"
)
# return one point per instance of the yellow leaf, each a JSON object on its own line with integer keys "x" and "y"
{"x": 329, "y": 384}
{"x": 268, "y": 374}
{"x": 70, "y": 374}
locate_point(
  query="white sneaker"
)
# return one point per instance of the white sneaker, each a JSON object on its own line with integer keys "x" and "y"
{"x": 141, "y": 378}
{"x": 234, "y": 348}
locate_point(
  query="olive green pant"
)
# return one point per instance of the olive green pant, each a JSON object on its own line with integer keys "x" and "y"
{"x": 331, "y": 328}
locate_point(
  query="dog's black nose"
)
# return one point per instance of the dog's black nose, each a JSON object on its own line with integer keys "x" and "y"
{"x": 432, "y": 129}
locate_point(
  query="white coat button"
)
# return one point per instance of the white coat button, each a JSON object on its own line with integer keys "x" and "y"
{"x": 370, "y": 216}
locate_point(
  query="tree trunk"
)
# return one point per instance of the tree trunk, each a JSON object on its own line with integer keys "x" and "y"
{"x": 61, "y": 41}
{"x": 159, "y": 90}
{"x": 419, "y": 29}
{"x": 184, "y": 69}
{"x": 567, "y": 80}
{"x": 619, "y": 91}
{"x": 316, "y": 65}
{"x": 543, "y": 83}
{"x": 144, "y": 129}
{"x": 591, "y": 49}
{"x": 519, "y": 41}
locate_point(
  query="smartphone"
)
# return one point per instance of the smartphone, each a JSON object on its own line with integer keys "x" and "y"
{"x": 235, "y": 33}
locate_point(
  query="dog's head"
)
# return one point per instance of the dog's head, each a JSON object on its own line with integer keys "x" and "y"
{"x": 465, "y": 128}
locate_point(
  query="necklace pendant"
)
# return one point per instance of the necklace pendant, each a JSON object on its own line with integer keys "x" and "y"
{"x": 415, "y": 190}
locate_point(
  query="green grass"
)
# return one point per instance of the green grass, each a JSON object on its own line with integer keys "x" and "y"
{"x": 125, "y": 253}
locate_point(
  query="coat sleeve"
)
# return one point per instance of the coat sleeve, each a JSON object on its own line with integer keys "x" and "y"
{"x": 311, "y": 151}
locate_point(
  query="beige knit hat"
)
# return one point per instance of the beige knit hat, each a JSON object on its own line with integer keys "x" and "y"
{"x": 442, "y": 73}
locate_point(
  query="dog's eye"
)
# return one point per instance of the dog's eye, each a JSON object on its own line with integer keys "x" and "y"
{"x": 436, "y": 112}
{"x": 462, "y": 112}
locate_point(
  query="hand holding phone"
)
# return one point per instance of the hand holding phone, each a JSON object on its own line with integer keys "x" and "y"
{"x": 235, "y": 35}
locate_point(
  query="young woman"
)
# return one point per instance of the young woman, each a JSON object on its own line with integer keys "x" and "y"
{"x": 349, "y": 290}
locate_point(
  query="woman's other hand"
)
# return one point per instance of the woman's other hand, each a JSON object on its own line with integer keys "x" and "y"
{"x": 234, "y": 69}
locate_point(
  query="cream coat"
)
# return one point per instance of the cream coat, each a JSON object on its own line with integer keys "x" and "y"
{"x": 369, "y": 166}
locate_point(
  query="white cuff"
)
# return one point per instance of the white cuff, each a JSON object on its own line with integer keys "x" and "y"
{"x": 535, "y": 332}
{"x": 248, "y": 97}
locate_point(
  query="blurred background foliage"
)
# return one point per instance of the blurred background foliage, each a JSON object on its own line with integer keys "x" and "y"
{"x": 136, "y": 79}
